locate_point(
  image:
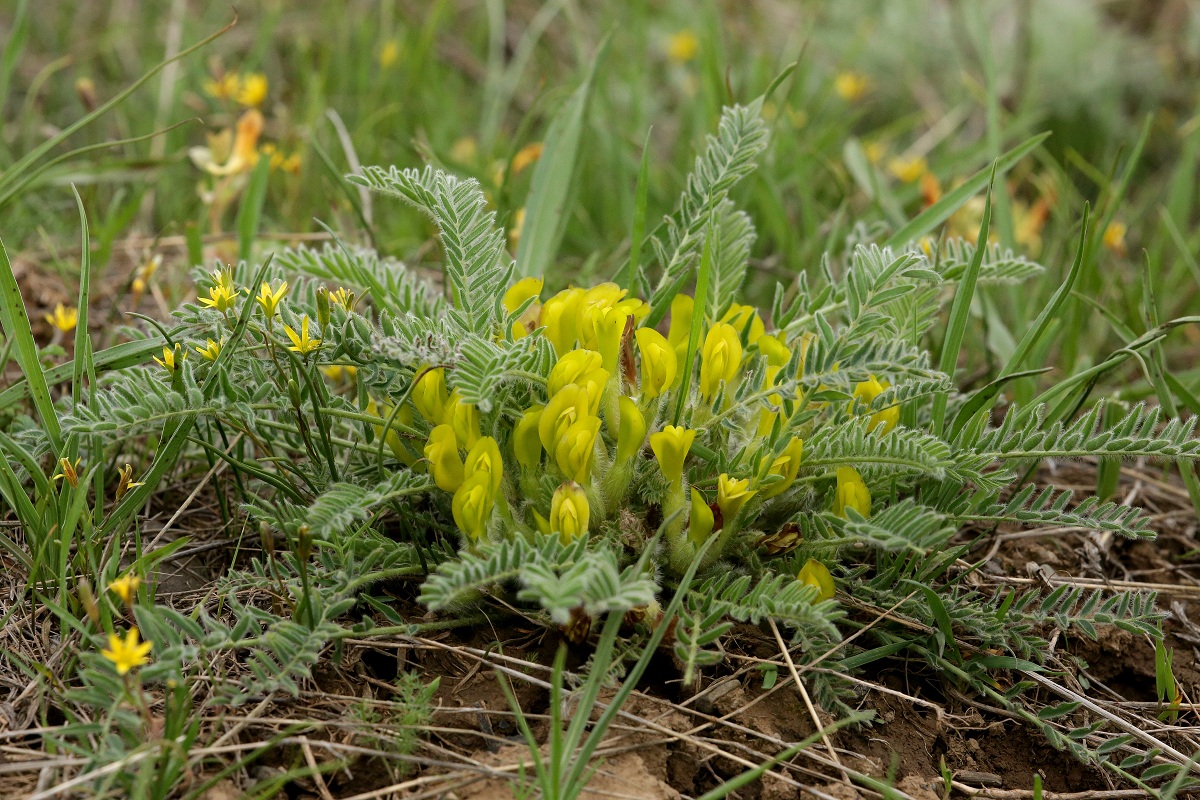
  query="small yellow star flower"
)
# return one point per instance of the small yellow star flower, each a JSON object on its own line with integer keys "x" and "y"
{"x": 210, "y": 350}
{"x": 1114, "y": 237}
{"x": 301, "y": 343}
{"x": 68, "y": 471}
{"x": 64, "y": 318}
{"x": 851, "y": 86}
{"x": 343, "y": 298}
{"x": 126, "y": 483}
{"x": 222, "y": 297}
{"x": 125, "y": 587}
{"x": 908, "y": 170}
{"x": 172, "y": 358}
{"x": 252, "y": 90}
{"x": 268, "y": 300}
{"x": 126, "y": 654}
{"x": 224, "y": 87}
{"x": 389, "y": 54}
{"x": 683, "y": 46}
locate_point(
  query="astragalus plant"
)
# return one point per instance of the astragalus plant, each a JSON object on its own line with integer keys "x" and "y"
{"x": 575, "y": 452}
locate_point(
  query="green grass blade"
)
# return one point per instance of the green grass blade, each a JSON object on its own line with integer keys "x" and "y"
{"x": 960, "y": 311}
{"x": 83, "y": 342}
{"x": 14, "y": 318}
{"x": 637, "y": 237}
{"x": 249, "y": 214}
{"x": 546, "y": 206}
{"x": 940, "y": 211}
{"x": 120, "y": 356}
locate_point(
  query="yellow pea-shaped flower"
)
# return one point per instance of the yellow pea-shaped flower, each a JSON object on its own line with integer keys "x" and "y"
{"x": 866, "y": 392}
{"x": 559, "y": 317}
{"x": 576, "y": 448}
{"x": 785, "y": 465}
{"x": 566, "y": 407}
{"x": 702, "y": 520}
{"x": 659, "y": 362}
{"x": 521, "y": 291}
{"x": 719, "y": 358}
{"x": 484, "y": 456}
{"x": 444, "y": 462}
{"x": 582, "y": 367}
{"x": 569, "y": 511}
{"x": 631, "y": 432}
{"x": 732, "y": 494}
{"x": 463, "y": 418}
{"x": 670, "y": 446}
{"x": 472, "y": 505}
{"x": 610, "y": 332}
{"x": 814, "y": 573}
{"x": 851, "y": 492}
{"x": 526, "y": 443}
{"x": 681, "y": 321}
{"x": 430, "y": 395}
{"x": 745, "y": 318}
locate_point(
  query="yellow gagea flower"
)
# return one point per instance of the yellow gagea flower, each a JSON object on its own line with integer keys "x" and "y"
{"x": 582, "y": 367}
{"x": 485, "y": 457}
{"x": 210, "y": 350}
{"x": 719, "y": 358}
{"x": 568, "y": 405}
{"x": 732, "y": 494}
{"x": 525, "y": 441}
{"x": 126, "y": 654}
{"x": 785, "y": 465}
{"x": 268, "y": 299}
{"x": 252, "y": 90}
{"x": 430, "y": 395}
{"x": 631, "y": 432}
{"x": 670, "y": 446}
{"x": 659, "y": 363}
{"x": 576, "y": 447}
{"x": 852, "y": 493}
{"x": 683, "y": 46}
{"x": 851, "y": 86}
{"x": 702, "y": 520}
{"x": 172, "y": 358}
{"x": 301, "y": 343}
{"x": 472, "y": 505}
{"x": 463, "y": 419}
{"x": 444, "y": 462}
{"x": 64, "y": 318}
{"x": 569, "y": 511}
{"x": 560, "y": 318}
{"x": 866, "y": 392}
{"x": 125, "y": 587}
{"x": 814, "y": 573}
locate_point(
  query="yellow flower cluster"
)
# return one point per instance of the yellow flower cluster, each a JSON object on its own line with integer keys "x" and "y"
{"x": 611, "y": 403}
{"x": 249, "y": 89}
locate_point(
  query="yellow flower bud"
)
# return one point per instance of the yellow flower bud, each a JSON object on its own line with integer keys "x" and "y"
{"x": 485, "y": 457}
{"x": 559, "y": 317}
{"x": 659, "y": 363}
{"x": 463, "y": 418}
{"x": 566, "y": 407}
{"x": 576, "y": 448}
{"x": 472, "y": 505}
{"x": 851, "y": 493}
{"x": 866, "y": 392}
{"x": 702, "y": 520}
{"x": 582, "y": 367}
{"x": 670, "y": 446}
{"x": 681, "y": 321}
{"x": 719, "y": 358}
{"x": 740, "y": 317}
{"x": 786, "y": 465}
{"x": 569, "y": 511}
{"x": 521, "y": 291}
{"x": 732, "y": 494}
{"x": 444, "y": 462}
{"x": 631, "y": 433}
{"x": 814, "y": 573}
{"x": 526, "y": 444}
{"x": 430, "y": 395}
